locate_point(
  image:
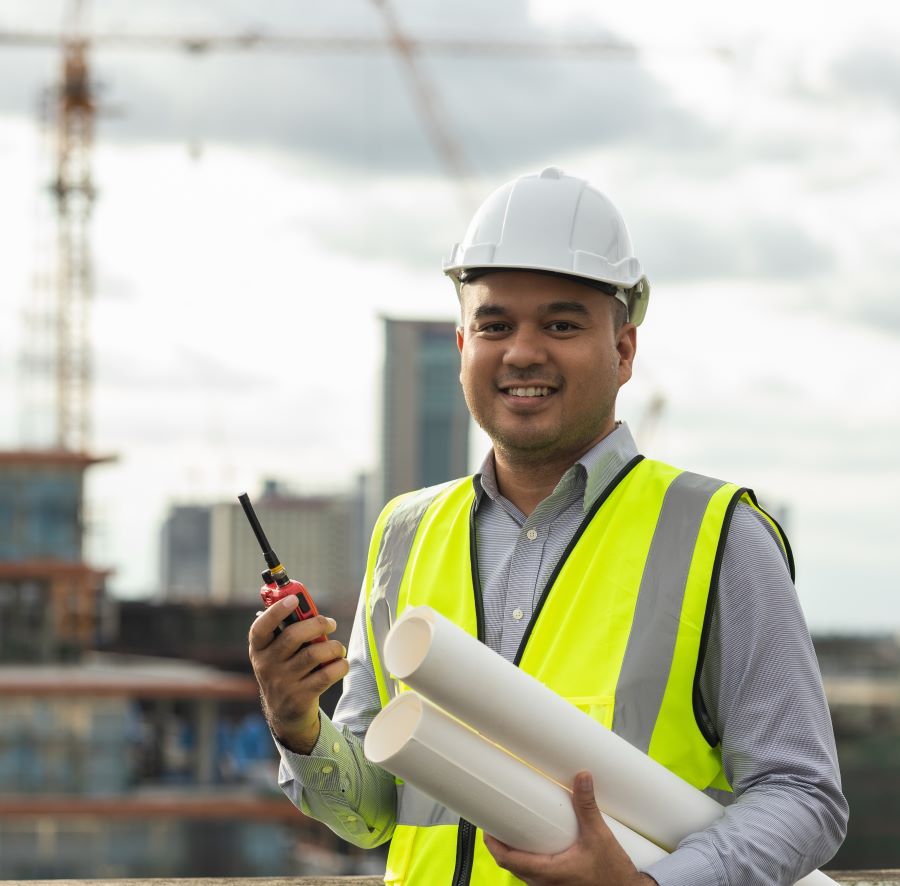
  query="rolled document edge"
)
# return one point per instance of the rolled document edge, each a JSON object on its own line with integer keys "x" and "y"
{"x": 441, "y": 661}
{"x": 661, "y": 806}
{"x": 461, "y": 769}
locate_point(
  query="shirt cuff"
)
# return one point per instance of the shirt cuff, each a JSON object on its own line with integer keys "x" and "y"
{"x": 336, "y": 785}
{"x": 323, "y": 769}
{"x": 687, "y": 867}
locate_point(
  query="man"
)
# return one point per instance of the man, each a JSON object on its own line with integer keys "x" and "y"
{"x": 659, "y": 601}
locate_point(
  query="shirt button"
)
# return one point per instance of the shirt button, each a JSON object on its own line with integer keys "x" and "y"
{"x": 327, "y": 770}
{"x": 351, "y": 818}
{"x": 336, "y": 747}
{"x": 532, "y": 534}
{"x": 517, "y": 614}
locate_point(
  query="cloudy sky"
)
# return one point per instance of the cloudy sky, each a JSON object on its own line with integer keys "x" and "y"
{"x": 258, "y": 210}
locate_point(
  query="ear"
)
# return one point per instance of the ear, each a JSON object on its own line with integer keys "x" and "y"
{"x": 626, "y": 347}
{"x": 459, "y": 338}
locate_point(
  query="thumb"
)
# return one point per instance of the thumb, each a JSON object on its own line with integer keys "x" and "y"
{"x": 585, "y": 805}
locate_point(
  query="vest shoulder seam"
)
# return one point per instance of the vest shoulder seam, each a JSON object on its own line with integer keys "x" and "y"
{"x": 417, "y": 496}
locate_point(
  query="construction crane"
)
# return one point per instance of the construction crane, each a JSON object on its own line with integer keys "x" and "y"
{"x": 76, "y": 110}
{"x": 74, "y": 194}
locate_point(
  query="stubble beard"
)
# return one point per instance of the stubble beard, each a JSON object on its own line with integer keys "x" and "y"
{"x": 550, "y": 447}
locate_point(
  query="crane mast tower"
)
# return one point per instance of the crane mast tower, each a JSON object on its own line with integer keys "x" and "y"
{"x": 74, "y": 194}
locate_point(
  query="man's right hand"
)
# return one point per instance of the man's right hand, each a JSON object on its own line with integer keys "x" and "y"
{"x": 290, "y": 686}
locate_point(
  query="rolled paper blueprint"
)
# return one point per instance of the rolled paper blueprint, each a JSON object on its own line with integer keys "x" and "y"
{"x": 456, "y": 672}
{"x": 479, "y": 781}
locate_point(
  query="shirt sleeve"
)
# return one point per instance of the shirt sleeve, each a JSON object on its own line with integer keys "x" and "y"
{"x": 762, "y": 689}
{"x": 335, "y": 783}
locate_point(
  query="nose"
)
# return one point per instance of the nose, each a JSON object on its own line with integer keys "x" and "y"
{"x": 525, "y": 348}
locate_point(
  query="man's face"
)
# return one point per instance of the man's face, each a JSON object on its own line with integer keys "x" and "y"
{"x": 541, "y": 363}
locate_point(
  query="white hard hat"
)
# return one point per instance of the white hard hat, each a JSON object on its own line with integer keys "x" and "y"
{"x": 554, "y": 223}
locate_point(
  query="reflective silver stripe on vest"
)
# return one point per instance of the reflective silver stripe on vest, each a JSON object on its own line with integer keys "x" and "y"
{"x": 390, "y": 564}
{"x": 413, "y": 807}
{"x": 419, "y": 810}
{"x": 651, "y": 643}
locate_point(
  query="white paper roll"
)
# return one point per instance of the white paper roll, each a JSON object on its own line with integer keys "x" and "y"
{"x": 481, "y": 782}
{"x": 514, "y": 710}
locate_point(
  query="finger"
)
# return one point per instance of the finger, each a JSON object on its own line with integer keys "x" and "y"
{"x": 262, "y": 631}
{"x": 296, "y": 634}
{"x": 496, "y": 848}
{"x": 314, "y": 655}
{"x": 583, "y": 800}
{"x": 301, "y": 634}
{"x": 299, "y": 672}
{"x": 310, "y": 629}
{"x": 522, "y": 864}
{"x": 592, "y": 826}
{"x": 499, "y": 850}
{"x": 327, "y": 675}
{"x": 290, "y": 684}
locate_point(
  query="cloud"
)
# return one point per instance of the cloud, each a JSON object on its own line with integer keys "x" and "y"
{"x": 880, "y": 311}
{"x": 516, "y": 113}
{"x": 681, "y": 248}
{"x": 188, "y": 371}
{"x": 26, "y": 74}
{"x": 870, "y": 71}
{"x": 416, "y": 238}
{"x": 358, "y": 111}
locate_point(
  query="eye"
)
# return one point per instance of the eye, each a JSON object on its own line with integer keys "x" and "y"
{"x": 562, "y": 326}
{"x": 494, "y": 328}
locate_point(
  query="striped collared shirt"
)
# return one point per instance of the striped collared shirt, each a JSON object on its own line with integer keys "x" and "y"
{"x": 760, "y": 685}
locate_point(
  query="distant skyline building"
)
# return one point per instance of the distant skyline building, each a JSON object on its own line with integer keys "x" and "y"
{"x": 52, "y": 602}
{"x": 316, "y": 537}
{"x": 184, "y": 552}
{"x": 424, "y": 419}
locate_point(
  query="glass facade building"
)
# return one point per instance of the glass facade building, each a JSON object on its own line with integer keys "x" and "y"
{"x": 425, "y": 422}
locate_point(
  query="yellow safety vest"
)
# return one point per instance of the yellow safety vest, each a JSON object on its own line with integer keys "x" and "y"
{"x": 620, "y": 630}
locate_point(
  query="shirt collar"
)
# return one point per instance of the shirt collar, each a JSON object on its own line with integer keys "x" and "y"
{"x": 595, "y": 470}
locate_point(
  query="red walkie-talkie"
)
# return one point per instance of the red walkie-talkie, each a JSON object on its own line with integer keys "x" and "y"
{"x": 277, "y": 583}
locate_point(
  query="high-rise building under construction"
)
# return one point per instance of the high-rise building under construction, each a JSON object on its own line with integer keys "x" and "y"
{"x": 424, "y": 419}
{"x": 51, "y": 600}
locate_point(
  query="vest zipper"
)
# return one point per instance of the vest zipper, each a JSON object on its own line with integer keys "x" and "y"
{"x": 465, "y": 853}
{"x": 465, "y": 834}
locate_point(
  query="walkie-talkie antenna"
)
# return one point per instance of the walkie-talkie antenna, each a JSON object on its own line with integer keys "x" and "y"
{"x": 269, "y": 555}
{"x": 305, "y": 607}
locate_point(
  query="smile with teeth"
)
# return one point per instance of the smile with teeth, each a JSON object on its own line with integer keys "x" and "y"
{"x": 529, "y": 392}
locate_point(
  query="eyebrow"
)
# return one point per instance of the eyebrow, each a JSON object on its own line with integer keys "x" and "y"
{"x": 565, "y": 307}
{"x": 489, "y": 310}
{"x": 556, "y": 307}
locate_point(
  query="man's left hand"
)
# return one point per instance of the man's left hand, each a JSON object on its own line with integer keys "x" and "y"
{"x": 594, "y": 859}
